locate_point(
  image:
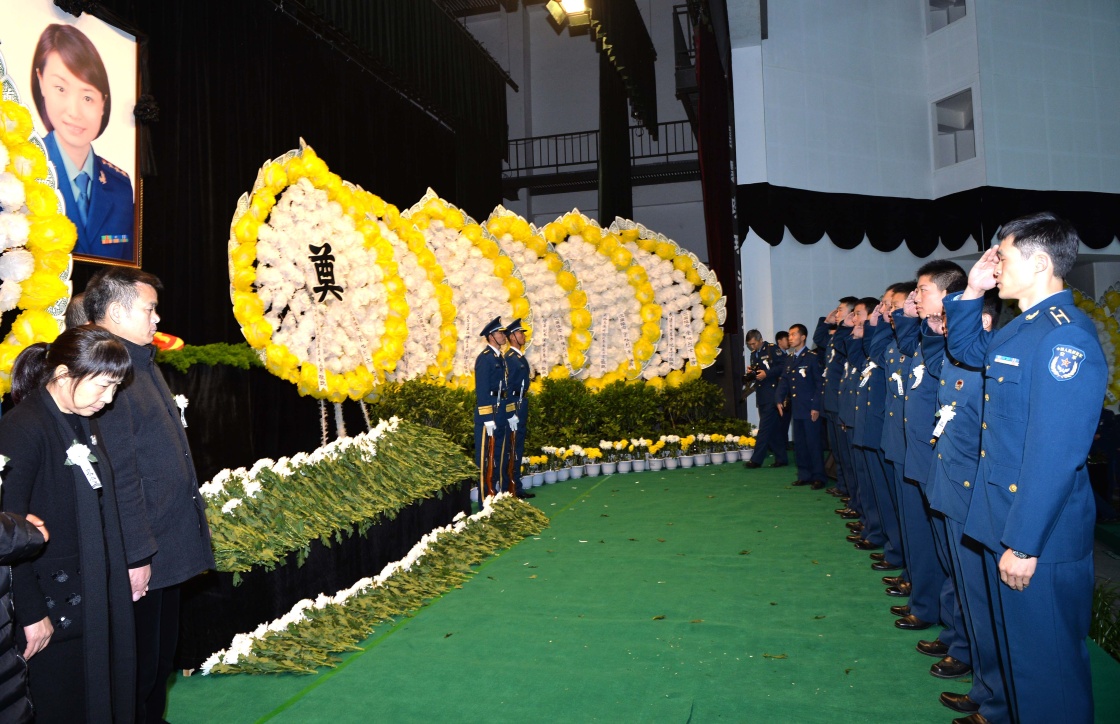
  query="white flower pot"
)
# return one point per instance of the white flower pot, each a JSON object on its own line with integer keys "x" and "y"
{"x": 538, "y": 479}
{"x": 625, "y": 466}
{"x": 563, "y": 474}
{"x": 549, "y": 477}
{"x": 672, "y": 463}
{"x": 655, "y": 464}
{"x": 701, "y": 459}
{"x": 639, "y": 466}
{"x": 687, "y": 461}
{"x": 577, "y": 471}
{"x": 717, "y": 458}
{"x": 747, "y": 454}
{"x": 474, "y": 494}
{"x": 609, "y": 468}
{"x": 594, "y": 469}
{"x": 732, "y": 456}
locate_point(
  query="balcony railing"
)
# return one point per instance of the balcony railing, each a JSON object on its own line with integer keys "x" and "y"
{"x": 567, "y": 152}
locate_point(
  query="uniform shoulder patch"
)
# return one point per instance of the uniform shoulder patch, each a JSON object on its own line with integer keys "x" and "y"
{"x": 1065, "y": 362}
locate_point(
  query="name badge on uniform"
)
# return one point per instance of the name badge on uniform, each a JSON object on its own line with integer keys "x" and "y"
{"x": 946, "y": 413}
{"x": 1003, "y": 360}
{"x": 898, "y": 380}
{"x": 919, "y": 373}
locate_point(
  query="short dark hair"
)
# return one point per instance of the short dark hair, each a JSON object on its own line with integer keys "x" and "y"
{"x": 76, "y": 311}
{"x": 115, "y": 284}
{"x": 850, "y": 301}
{"x": 992, "y": 305}
{"x": 868, "y": 303}
{"x": 86, "y": 351}
{"x": 1048, "y": 233}
{"x": 800, "y": 328}
{"x": 80, "y": 57}
{"x": 781, "y": 335}
{"x": 947, "y": 275}
{"x": 904, "y": 287}
{"x": 753, "y": 335}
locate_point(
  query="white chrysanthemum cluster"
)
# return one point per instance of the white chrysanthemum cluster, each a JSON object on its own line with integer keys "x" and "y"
{"x": 16, "y": 265}
{"x": 424, "y": 318}
{"x": 242, "y": 644}
{"x": 610, "y": 299}
{"x": 476, "y": 292}
{"x": 337, "y": 335}
{"x": 551, "y": 308}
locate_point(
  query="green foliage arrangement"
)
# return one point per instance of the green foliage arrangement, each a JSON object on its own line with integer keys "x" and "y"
{"x": 240, "y": 356}
{"x": 1105, "y": 625}
{"x": 444, "y": 408}
{"x": 259, "y": 516}
{"x": 315, "y": 632}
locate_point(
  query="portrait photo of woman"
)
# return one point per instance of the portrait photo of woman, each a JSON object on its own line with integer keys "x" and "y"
{"x": 70, "y": 87}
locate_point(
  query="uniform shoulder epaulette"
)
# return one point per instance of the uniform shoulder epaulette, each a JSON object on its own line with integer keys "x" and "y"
{"x": 488, "y": 351}
{"x": 1058, "y": 316}
{"x": 113, "y": 167}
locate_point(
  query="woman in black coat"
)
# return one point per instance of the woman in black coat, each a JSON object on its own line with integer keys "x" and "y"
{"x": 73, "y": 603}
{"x": 20, "y": 539}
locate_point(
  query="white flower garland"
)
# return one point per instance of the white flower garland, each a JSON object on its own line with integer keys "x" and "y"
{"x": 242, "y": 644}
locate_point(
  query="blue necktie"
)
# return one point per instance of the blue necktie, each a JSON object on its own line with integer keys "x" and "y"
{"x": 83, "y": 195}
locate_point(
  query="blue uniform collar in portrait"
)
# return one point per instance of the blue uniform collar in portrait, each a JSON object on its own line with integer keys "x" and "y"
{"x": 495, "y": 325}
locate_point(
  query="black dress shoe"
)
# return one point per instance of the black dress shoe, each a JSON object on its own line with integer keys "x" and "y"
{"x": 893, "y": 580}
{"x": 866, "y": 545}
{"x": 884, "y": 566}
{"x": 777, "y": 464}
{"x": 849, "y": 514}
{"x": 958, "y": 702}
{"x": 835, "y": 492}
{"x": 936, "y": 648}
{"x": 910, "y": 622}
{"x": 974, "y": 718}
{"x": 845, "y": 498}
{"x": 525, "y": 496}
{"x": 900, "y": 610}
{"x": 854, "y": 525}
{"x": 852, "y": 538}
{"x": 751, "y": 465}
{"x": 877, "y": 556}
{"x": 799, "y": 483}
{"x": 949, "y": 668}
{"x": 817, "y": 485}
{"x": 902, "y": 590}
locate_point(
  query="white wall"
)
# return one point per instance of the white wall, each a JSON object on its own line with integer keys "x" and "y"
{"x": 952, "y": 65}
{"x": 1051, "y": 77}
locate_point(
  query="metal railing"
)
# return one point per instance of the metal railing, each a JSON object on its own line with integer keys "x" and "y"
{"x": 683, "y": 45}
{"x": 580, "y": 151}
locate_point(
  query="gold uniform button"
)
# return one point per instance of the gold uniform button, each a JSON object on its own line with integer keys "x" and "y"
{"x": 983, "y": 454}
{"x": 1013, "y": 488}
{"x": 892, "y": 414}
{"x": 984, "y": 425}
{"x": 938, "y": 456}
{"x": 985, "y": 397}
{"x": 1000, "y": 379}
{"x": 905, "y": 420}
{"x": 967, "y": 484}
{"x": 942, "y": 383}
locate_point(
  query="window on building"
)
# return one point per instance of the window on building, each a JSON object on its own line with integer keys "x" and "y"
{"x": 944, "y": 12}
{"x": 954, "y": 137}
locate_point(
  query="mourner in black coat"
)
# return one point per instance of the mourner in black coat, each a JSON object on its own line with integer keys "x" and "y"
{"x": 20, "y": 539}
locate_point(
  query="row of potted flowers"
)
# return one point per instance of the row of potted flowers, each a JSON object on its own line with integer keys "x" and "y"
{"x": 636, "y": 455}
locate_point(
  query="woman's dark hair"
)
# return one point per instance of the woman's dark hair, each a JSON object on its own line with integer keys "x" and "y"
{"x": 80, "y": 57}
{"x": 86, "y": 351}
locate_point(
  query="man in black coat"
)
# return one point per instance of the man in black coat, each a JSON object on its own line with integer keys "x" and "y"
{"x": 20, "y": 539}
{"x": 163, "y": 516}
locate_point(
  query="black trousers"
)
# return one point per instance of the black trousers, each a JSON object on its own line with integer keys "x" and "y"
{"x": 157, "y": 633}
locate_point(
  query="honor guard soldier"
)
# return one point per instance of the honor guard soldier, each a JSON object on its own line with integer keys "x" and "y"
{"x": 1032, "y": 505}
{"x": 490, "y": 417}
{"x": 765, "y": 371}
{"x": 517, "y": 402}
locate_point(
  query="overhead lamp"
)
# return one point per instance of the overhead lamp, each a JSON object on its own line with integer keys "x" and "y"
{"x": 574, "y": 12}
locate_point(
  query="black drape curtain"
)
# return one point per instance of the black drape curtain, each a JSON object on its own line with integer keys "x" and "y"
{"x": 238, "y": 83}
{"x": 616, "y": 190}
{"x": 920, "y": 224}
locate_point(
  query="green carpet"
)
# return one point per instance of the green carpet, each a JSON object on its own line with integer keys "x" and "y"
{"x": 695, "y": 595}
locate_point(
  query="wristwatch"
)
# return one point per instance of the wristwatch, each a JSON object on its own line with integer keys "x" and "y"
{"x": 1020, "y": 554}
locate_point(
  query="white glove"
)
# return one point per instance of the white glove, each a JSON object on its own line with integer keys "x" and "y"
{"x": 490, "y": 426}
{"x": 513, "y": 423}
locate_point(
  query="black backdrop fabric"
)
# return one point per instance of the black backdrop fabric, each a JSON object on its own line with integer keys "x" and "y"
{"x": 888, "y": 223}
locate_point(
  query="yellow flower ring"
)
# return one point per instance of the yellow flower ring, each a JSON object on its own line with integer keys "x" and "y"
{"x": 38, "y": 228}
{"x": 581, "y": 242}
{"x": 473, "y": 262}
{"x": 1108, "y": 333}
{"x": 704, "y": 315}
{"x": 558, "y": 303}
{"x": 280, "y": 315}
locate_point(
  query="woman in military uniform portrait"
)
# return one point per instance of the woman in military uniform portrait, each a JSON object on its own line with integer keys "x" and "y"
{"x": 71, "y": 90}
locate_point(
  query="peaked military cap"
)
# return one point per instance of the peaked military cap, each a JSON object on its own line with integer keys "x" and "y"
{"x": 494, "y": 326}
{"x": 514, "y": 326}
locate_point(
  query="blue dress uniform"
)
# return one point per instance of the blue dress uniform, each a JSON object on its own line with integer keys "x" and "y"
{"x": 1044, "y": 382}
{"x": 929, "y": 599}
{"x": 801, "y": 383}
{"x": 855, "y": 472}
{"x": 896, "y": 368}
{"x": 833, "y": 368}
{"x": 489, "y": 392}
{"x": 952, "y": 478}
{"x": 770, "y": 428}
{"x": 108, "y": 228}
{"x": 517, "y": 403}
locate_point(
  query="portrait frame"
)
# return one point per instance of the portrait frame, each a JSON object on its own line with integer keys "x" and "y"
{"x": 107, "y": 152}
